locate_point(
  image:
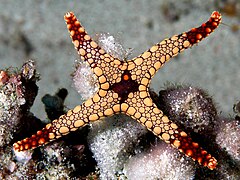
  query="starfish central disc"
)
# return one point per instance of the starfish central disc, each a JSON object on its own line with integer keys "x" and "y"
{"x": 125, "y": 86}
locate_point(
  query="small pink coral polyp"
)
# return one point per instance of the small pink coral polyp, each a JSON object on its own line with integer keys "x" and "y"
{"x": 3, "y": 77}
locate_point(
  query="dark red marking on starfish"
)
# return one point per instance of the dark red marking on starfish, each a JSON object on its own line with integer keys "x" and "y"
{"x": 125, "y": 86}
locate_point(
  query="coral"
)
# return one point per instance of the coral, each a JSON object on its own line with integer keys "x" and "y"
{"x": 112, "y": 142}
{"x": 160, "y": 162}
{"x": 191, "y": 107}
{"x": 3, "y": 77}
{"x": 5, "y": 135}
{"x": 55, "y": 172}
{"x": 23, "y": 157}
{"x": 228, "y": 137}
{"x": 15, "y": 98}
{"x": 54, "y": 162}
{"x": 84, "y": 80}
{"x": 50, "y": 163}
{"x": 112, "y": 45}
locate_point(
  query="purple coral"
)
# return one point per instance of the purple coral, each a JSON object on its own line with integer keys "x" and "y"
{"x": 228, "y": 137}
{"x": 15, "y": 99}
{"x": 190, "y": 107}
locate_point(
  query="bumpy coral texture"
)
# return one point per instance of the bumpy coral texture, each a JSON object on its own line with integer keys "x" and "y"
{"x": 84, "y": 81}
{"x": 161, "y": 161}
{"x": 189, "y": 106}
{"x": 228, "y": 137}
{"x": 112, "y": 142}
{"x": 14, "y": 99}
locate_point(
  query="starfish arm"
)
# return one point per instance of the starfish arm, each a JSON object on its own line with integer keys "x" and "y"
{"x": 88, "y": 49}
{"x": 157, "y": 55}
{"x": 81, "y": 115}
{"x": 147, "y": 113}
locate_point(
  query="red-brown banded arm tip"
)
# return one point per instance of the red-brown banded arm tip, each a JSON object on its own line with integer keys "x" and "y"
{"x": 38, "y": 139}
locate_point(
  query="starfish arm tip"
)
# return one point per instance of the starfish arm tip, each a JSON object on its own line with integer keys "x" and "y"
{"x": 212, "y": 163}
{"x": 40, "y": 138}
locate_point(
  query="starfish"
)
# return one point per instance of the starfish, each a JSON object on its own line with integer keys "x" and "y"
{"x": 124, "y": 88}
